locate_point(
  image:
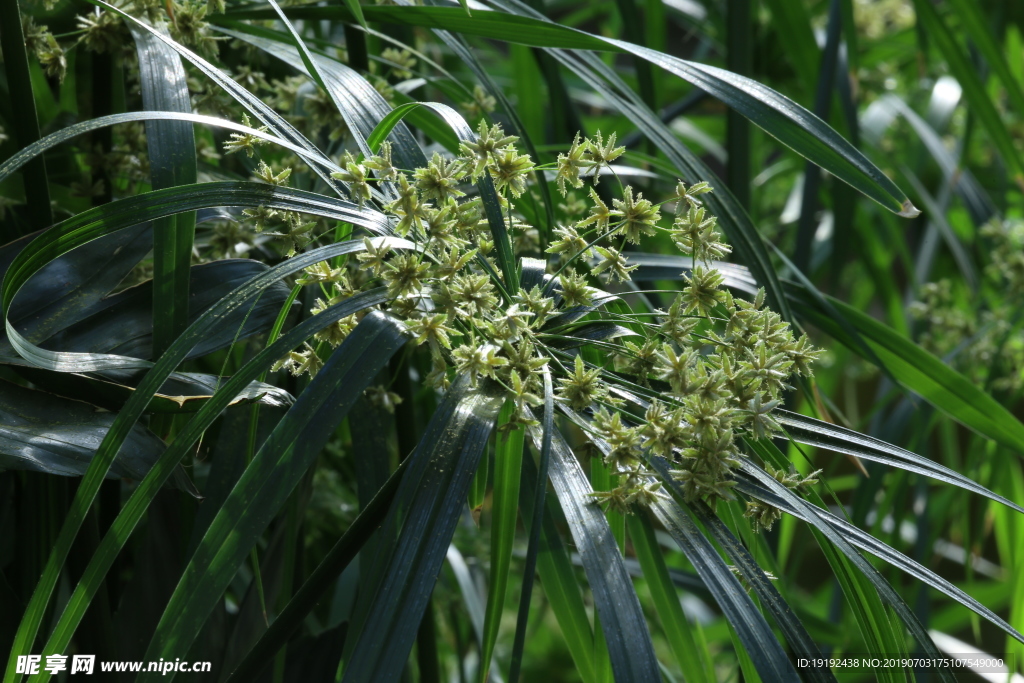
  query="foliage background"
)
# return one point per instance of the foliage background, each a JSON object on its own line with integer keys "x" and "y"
{"x": 921, "y": 328}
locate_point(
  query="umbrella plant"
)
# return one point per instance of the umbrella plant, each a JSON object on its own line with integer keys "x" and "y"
{"x": 281, "y": 276}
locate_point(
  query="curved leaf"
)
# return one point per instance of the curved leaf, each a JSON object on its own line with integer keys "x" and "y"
{"x": 866, "y": 541}
{"x": 776, "y": 114}
{"x": 920, "y": 371}
{"x": 358, "y": 102}
{"x": 270, "y": 478}
{"x": 262, "y": 111}
{"x": 813, "y": 432}
{"x": 815, "y": 516}
{"x": 172, "y": 161}
{"x": 138, "y": 503}
{"x": 53, "y": 246}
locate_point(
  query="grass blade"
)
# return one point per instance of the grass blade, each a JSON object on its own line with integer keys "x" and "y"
{"x": 796, "y": 635}
{"x": 813, "y": 432}
{"x": 137, "y": 505}
{"x": 625, "y": 629}
{"x": 691, "y": 653}
{"x": 866, "y": 541}
{"x": 427, "y": 505}
{"x": 54, "y": 243}
{"x": 172, "y": 157}
{"x": 508, "y": 464}
{"x": 921, "y": 372}
{"x": 319, "y": 582}
{"x": 26, "y": 124}
{"x": 864, "y": 570}
{"x": 776, "y": 114}
{"x": 557, "y": 578}
{"x": 751, "y": 628}
{"x": 270, "y": 478}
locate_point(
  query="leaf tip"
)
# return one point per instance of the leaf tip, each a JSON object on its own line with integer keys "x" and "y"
{"x": 908, "y": 210}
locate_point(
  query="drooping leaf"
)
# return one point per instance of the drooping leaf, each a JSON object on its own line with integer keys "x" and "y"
{"x": 554, "y": 567}
{"x": 45, "y": 433}
{"x": 813, "y": 432}
{"x": 262, "y": 111}
{"x": 136, "y": 506}
{"x": 795, "y": 632}
{"x": 358, "y": 102}
{"x": 625, "y": 629}
{"x": 921, "y": 372}
{"x": 270, "y": 478}
{"x": 779, "y": 116}
{"x": 865, "y": 570}
{"x": 754, "y": 633}
{"x": 41, "y": 251}
{"x": 427, "y": 506}
{"x": 866, "y": 541}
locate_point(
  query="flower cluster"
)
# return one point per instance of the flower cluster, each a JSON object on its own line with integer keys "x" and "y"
{"x": 709, "y": 370}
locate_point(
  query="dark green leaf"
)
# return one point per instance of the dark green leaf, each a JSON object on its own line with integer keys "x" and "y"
{"x": 625, "y": 629}
{"x": 270, "y": 478}
{"x": 45, "y": 433}
{"x": 427, "y": 507}
{"x": 172, "y": 161}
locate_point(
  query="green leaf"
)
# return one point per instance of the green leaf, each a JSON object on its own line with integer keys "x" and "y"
{"x": 261, "y": 110}
{"x": 885, "y": 640}
{"x": 358, "y": 102}
{"x": 866, "y": 541}
{"x": 796, "y": 635}
{"x": 813, "y": 432}
{"x": 172, "y": 161}
{"x": 322, "y": 578}
{"x": 26, "y": 125}
{"x": 691, "y": 654}
{"x": 625, "y": 629}
{"x": 921, "y": 372}
{"x": 776, "y": 114}
{"x": 751, "y": 628}
{"x": 53, "y": 139}
{"x": 508, "y": 464}
{"x": 46, "y": 433}
{"x": 81, "y": 229}
{"x": 427, "y": 507}
{"x": 357, "y": 11}
{"x": 270, "y": 478}
{"x": 138, "y": 503}
{"x": 556, "y": 574}
{"x": 974, "y": 88}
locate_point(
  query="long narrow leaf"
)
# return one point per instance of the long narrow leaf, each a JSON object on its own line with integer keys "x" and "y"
{"x": 172, "y": 161}
{"x": 427, "y": 507}
{"x": 508, "y": 465}
{"x": 137, "y": 505}
{"x": 625, "y": 629}
{"x": 269, "y": 479}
